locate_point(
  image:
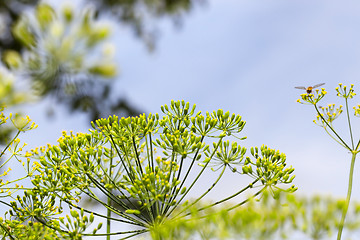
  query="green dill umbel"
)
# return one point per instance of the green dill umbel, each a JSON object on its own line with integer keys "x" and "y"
{"x": 140, "y": 170}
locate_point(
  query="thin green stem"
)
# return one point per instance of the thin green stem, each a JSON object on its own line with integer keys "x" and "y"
{"x": 348, "y": 118}
{"x": 105, "y": 175}
{"x": 246, "y": 200}
{"x": 122, "y": 160}
{"x": 100, "y": 215}
{"x": 137, "y": 157}
{"x": 174, "y": 191}
{"x": 151, "y": 156}
{"x": 333, "y": 137}
{"x": 14, "y": 181}
{"x": 136, "y": 232}
{"x": 128, "y": 171}
{"x": 152, "y": 166}
{"x": 209, "y": 189}
{"x": 234, "y": 195}
{"x": 7, "y": 146}
{"x": 174, "y": 155}
{"x": 230, "y": 208}
{"x": 198, "y": 176}
{"x": 108, "y": 221}
{"x": 186, "y": 175}
{"x": 5, "y": 229}
{"x": 5, "y": 203}
{"x": 317, "y": 110}
{"x": 347, "y": 201}
{"x": 107, "y": 193}
{"x": 357, "y": 146}
{"x": 50, "y": 226}
{"x": 113, "y": 198}
{"x": 192, "y": 163}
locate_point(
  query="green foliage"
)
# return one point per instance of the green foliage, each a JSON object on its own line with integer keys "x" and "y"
{"x": 145, "y": 167}
{"x": 325, "y": 118}
{"x": 267, "y": 218}
{"x": 13, "y": 229}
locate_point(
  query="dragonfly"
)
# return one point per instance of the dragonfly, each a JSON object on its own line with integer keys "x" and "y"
{"x": 310, "y": 88}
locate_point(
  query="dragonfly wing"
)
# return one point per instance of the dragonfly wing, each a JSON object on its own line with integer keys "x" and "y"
{"x": 303, "y": 88}
{"x": 318, "y": 85}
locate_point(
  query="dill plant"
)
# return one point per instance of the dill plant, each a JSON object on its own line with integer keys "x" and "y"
{"x": 138, "y": 169}
{"x": 325, "y": 118}
{"x": 12, "y": 126}
{"x": 12, "y": 148}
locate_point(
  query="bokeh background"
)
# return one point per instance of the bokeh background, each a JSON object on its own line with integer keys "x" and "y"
{"x": 246, "y": 57}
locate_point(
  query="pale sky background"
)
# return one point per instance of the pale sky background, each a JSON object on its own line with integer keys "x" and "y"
{"x": 246, "y": 57}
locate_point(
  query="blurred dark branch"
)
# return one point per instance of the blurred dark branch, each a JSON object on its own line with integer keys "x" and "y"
{"x": 10, "y": 11}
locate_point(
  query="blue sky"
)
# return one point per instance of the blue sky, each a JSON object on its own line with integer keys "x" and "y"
{"x": 246, "y": 56}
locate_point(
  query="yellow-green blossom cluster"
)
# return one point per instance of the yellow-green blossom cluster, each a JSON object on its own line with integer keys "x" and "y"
{"x": 329, "y": 114}
{"x": 312, "y": 98}
{"x": 343, "y": 91}
{"x": 22, "y": 123}
{"x": 119, "y": 159}
{"x": 15, "y": 148}
{"x": 269, "y": 166}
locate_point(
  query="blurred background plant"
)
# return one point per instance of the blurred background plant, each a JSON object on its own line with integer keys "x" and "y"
{"x": 139, "y": 15}
{"x": 60, "y": 58}
{"x": 287, "y": 217}
{"x": 58, "y": 49}
{"x": 10, "y": 95}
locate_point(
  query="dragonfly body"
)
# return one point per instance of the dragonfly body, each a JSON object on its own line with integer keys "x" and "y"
{"x": 310, "y": 88}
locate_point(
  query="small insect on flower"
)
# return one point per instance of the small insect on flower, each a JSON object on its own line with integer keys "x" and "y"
{"x": 310, "y": 88}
